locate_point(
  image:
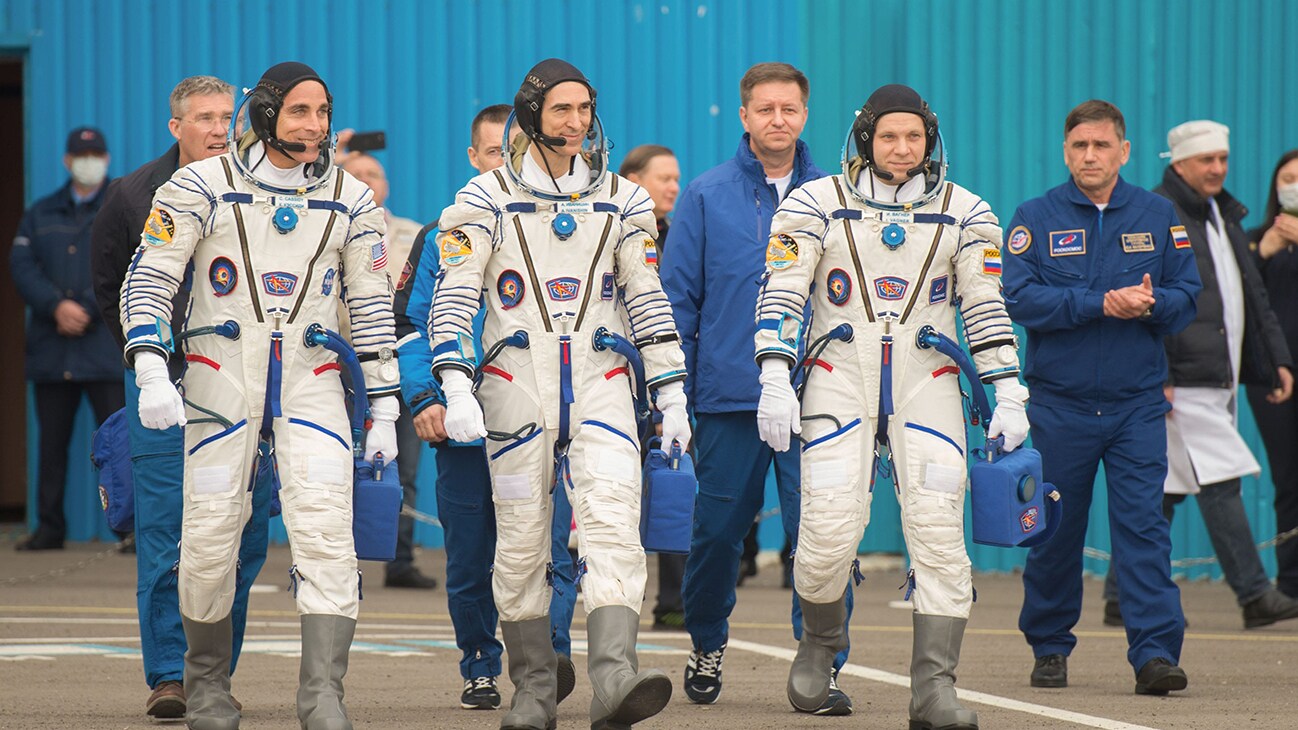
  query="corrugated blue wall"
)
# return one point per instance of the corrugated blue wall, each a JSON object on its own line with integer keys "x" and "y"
{"x": 1001, "y": 74}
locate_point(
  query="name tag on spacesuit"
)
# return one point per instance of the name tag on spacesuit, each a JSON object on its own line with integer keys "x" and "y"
{"x": 896, "y": 216}
{"x": 574, "y": 208}
{"x": 1137, "y": 242}
{"x": 295, "y": 202}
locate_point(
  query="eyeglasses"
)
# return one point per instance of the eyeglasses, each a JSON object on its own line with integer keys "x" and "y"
{"x": 209, "y": 120}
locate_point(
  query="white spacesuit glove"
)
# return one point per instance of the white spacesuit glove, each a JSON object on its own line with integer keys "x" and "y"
{"x": 778, "y": 412}
{"x": 382, "y": 436}
{"x": 1010, "y": 419}
{"x": 464, "y": 422}
{"x": 161, "y": 406}
{"x": 671, "y": 400}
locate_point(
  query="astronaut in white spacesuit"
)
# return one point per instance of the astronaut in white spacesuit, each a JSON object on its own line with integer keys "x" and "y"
{"x": 560, "y": 248}
{"x": 272, "y": 234}
{"x": 885, "y": 248}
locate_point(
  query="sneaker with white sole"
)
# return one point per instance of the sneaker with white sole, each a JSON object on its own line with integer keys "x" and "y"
{"x": 837, "y": 703}
{"x": 480, "y": 693}
{"x": 703, "y": 676}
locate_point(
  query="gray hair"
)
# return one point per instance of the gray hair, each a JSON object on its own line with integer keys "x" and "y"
{"x": 197, "y": 86}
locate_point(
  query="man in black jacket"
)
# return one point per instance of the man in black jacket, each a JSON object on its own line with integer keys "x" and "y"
{"x": 201, "y": 107}
{"x": 1235, "y": 338}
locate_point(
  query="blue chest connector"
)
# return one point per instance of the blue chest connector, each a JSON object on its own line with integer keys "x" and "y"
{"x": 285, "y": 219}
{"x": 564, "y": 226}
{"x": 893, "y": 235}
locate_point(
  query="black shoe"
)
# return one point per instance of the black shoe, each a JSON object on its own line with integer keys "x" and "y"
{"x": 1113, "y": 613}
{"x": 703, "y": 676}
{"x": 837, "y": 703}
{"x": 38, "y": 542}
{"x": 480, "y": 693}
{"x": 127, "y": 545}
{"x": 1050, "y": 670}
{"x": 565, "y": 678}
{"x": 747, "y": 569}
{"x": 1159, "y": 676}
{"x": 409, "y": 578}
{"x": 669, "y": 621}
{"x": 1270, "y": 607}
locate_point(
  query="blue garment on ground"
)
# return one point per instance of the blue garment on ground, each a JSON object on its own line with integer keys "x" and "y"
{"x": 712, "y": 268}
{"x": 464, "y": 504}
{"x": 732, "y": 465}
{"x": 157, "y": 468}
{"x": 1097, "y": 395}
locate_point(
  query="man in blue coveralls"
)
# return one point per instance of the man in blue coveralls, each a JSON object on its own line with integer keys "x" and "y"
{"x": 463, "y": 483}
{"x": 1099, "y": 272}
{"x": 711, "y": 271}
{"x": 201, "y": 107}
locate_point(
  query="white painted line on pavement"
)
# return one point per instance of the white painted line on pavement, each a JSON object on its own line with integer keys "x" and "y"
{"x": 982, "y": 698}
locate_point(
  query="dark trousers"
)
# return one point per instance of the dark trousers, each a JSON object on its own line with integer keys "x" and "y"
{"x": 409, "y": 449}
{"x": 1279, "y": 427}
{"x": 56, "y": 410}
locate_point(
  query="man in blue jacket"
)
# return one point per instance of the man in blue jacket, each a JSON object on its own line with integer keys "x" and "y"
{"x": 1099, "y": 272}
{"x": 711, "y": 271}
{"x": 70, "y": 354}
{"x": 464, "y": 503}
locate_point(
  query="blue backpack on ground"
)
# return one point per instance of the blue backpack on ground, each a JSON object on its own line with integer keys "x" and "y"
{"x": 667, "y": 505}
{"x": 110, "y": 451}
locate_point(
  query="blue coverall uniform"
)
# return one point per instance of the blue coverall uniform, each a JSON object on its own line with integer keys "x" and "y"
{"x": 463, "y": 489}
{"x": 1097, "y": 395}
{"x": 712, "y": 268}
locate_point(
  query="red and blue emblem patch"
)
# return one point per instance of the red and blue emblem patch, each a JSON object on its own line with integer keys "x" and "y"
{"x": 509, "y": 287}
{"x": 1068, "y": 243}
{"x": 937, "y": 290}
{"x": 223, "y": 276}
{"x": 1028, "y": 520}
{"x": 838, "y": 287}
{"x": 890, "y": 288}
{"x": 564, "y": 288}
{"x": 608, "y": 285}
{"x": 279, "y": 283}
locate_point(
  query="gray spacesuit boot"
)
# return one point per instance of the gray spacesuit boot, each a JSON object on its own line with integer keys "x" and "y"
{"x": 823, "y": 636}
{"x": 933, "y": 704}
{"x": 624, "y": 695}
{"x": 207, "y": 675}
{"x": 326, "y": 642}
{"x": 532, "y": 667}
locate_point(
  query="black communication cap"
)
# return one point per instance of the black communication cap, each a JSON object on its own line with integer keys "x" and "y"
{"x": 531, "y": 95}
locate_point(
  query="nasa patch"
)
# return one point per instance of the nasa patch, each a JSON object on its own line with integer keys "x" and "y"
{"x": 223, "y": 276}
{"x": 890, "y": 288}
{"x": 607, "y": 286}
{"x": 937, "y": 290}
{"x": 1068, "y": 243}
{"x": 1019, "y": 241}
{"x": 278, "y": 283}
{"x": 838, "y": 287}
{"x": 509, "y": 287}
{"x": 454, "y": 247}
{"x": 563, "y": 289}
{"x": 781, "y": 252}
{"x": 327, "y": 285}
{"x": 159, "y": 228}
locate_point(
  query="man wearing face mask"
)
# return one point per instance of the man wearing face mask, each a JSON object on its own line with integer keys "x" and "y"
{"x": 70, "y": 353}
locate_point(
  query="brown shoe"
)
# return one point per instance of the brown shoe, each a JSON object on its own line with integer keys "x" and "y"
{"x": 167, "y": 701}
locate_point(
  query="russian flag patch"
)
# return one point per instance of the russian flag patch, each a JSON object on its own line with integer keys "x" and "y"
{"x": 992, "y": 261}
{"x": 650, "y": 252}
{"x": 1179, "y": 237}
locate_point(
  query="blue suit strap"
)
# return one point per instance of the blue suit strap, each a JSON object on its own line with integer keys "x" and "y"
{"x": 520, "y": 207}
{"x": 331, "y": 205}
{"x": 846, "y": 213}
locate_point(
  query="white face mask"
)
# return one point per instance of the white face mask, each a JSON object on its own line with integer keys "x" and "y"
{"x": 1288, "y": 195}
{"x": 88, "y": 170}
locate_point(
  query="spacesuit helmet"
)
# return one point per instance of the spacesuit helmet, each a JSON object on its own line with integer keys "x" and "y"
{"x": 256, "y": 119}
{"x": 858, "y": 149}
{"x": 528, "y": 105}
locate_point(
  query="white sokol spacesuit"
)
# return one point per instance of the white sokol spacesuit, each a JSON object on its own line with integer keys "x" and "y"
{"x": 560, "y": 266}
{"x": 274, "y": 286}
{"x": 885, "y": 271}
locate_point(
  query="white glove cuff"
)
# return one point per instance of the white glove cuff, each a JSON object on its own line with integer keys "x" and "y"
{"x": 455, "y": 382}
{"x": 1010, "y": 390}
{"x": 670, "y": 395}
{"x": 774, "y": 370}
{"x": 150, "y": 367}
{"x": 385, "y": 409}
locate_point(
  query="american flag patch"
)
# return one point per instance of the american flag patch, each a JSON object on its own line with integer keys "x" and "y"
{"x": 379, "y": 255}
{"x": 1179, "y": 237}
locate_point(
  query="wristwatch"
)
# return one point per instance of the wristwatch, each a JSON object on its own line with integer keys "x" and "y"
{"x": 1148, "y": 313}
